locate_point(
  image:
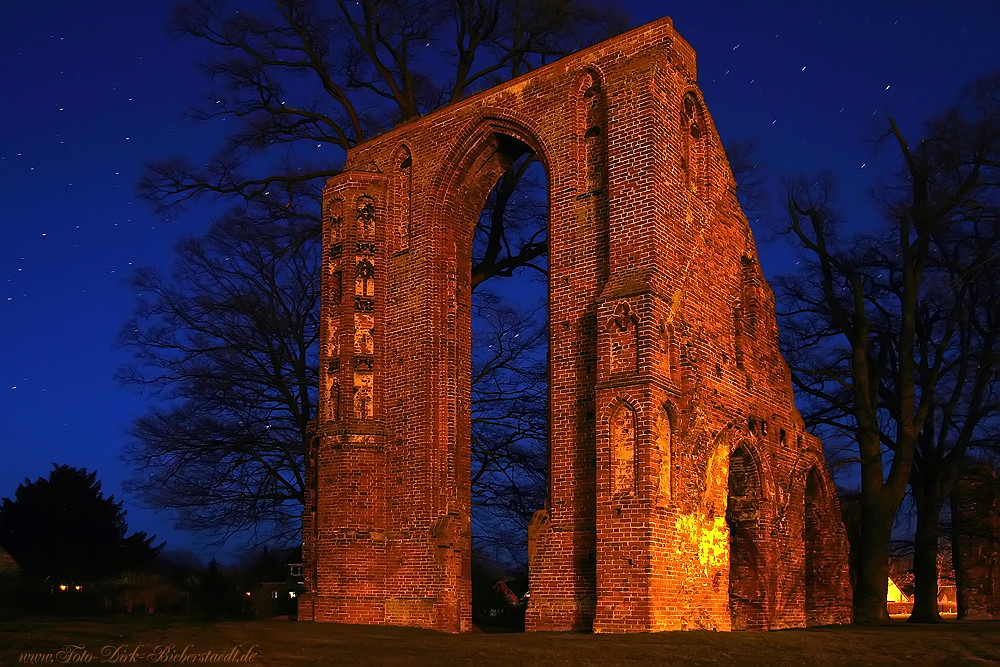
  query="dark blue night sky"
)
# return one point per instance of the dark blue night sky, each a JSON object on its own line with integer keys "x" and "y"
{"x": 93, "y": 89}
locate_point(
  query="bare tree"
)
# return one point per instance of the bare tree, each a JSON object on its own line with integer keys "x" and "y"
{"x": 961, "y": 307}
{"x": 509, "y": 425}
{"x": 308, "y": 75}
{"x": 510, "y": 366}
{"x": 884, "y": 331}
{"x": 227, "y": 346}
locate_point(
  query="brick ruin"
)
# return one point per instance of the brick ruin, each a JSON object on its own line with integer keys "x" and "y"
{"x": 683, "y": 492}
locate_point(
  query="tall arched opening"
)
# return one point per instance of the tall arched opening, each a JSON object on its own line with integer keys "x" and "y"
{"x": 748, "y": 571}
{"x": 485, "y": 365}
{"x": 509, "y": 386}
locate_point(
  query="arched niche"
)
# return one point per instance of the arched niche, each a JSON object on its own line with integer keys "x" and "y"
{"x": 745, "y": 516}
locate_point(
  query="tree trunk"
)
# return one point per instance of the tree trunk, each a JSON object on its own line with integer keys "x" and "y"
{"x": 925, "y": 555}
{"x": 873, "y": 566}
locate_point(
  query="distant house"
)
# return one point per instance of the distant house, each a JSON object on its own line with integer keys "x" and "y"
{"x": 276, "y": 589}
{"x": 894, "y": 594}
{"x": 9, "y": 569}
{"x": 12, "y": 580}
{"x": 947, "y": 600}
{"x": 897, "y": 601}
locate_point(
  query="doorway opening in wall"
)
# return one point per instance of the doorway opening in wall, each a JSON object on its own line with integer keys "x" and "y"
{"x": 509, "y": 386}
{"x": 748, "y": 590}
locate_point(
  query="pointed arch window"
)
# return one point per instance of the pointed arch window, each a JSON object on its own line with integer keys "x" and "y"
{"x": 694, "y": 136}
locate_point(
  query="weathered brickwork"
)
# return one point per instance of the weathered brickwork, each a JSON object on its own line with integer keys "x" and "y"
{"x": 683, "y": 491}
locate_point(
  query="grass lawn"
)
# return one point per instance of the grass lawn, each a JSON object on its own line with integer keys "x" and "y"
{"x": 163, "y": 639}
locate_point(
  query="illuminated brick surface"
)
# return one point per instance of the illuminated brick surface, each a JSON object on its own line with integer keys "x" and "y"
{"x": 684, "y": 492}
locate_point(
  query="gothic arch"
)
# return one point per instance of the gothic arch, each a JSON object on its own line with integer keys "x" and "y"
{"x": 717, "y": 467}
{"x": 333, "y": 217}
{"x": 471, "y": 169}
{"x": 664, "y": 431}
{"x": 492, "y": 136}
{"x": 621, "y": 422}
{"x": 591, "y": 128}
{"x": 754, "y": 448}
{"x": 755, "y": 473}
{"x": 814, "y": 462}
{"x": 695, "y": 136}
{"x": 749, "y": 567}
{"x": 402, "y": 190}
{"x": 825, "y": 571}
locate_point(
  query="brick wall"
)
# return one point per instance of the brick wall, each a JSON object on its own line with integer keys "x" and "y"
{"x": 683, "y": 492}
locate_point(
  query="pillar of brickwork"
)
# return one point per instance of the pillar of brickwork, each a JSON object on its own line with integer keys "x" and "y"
{"x": 648, "y": 569}
{"x": 561, "y": 538}
{"x": 347, "y": 540}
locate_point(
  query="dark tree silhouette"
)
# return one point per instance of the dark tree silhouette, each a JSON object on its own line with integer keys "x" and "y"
{"x": 227, "y": 345}
{"x": 509, "y": 425}
{"x": 64, "y": 528}
{"x": 892, "y": 335}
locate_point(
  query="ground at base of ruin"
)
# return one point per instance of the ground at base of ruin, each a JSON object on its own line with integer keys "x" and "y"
{"x": 178, "y": 640}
